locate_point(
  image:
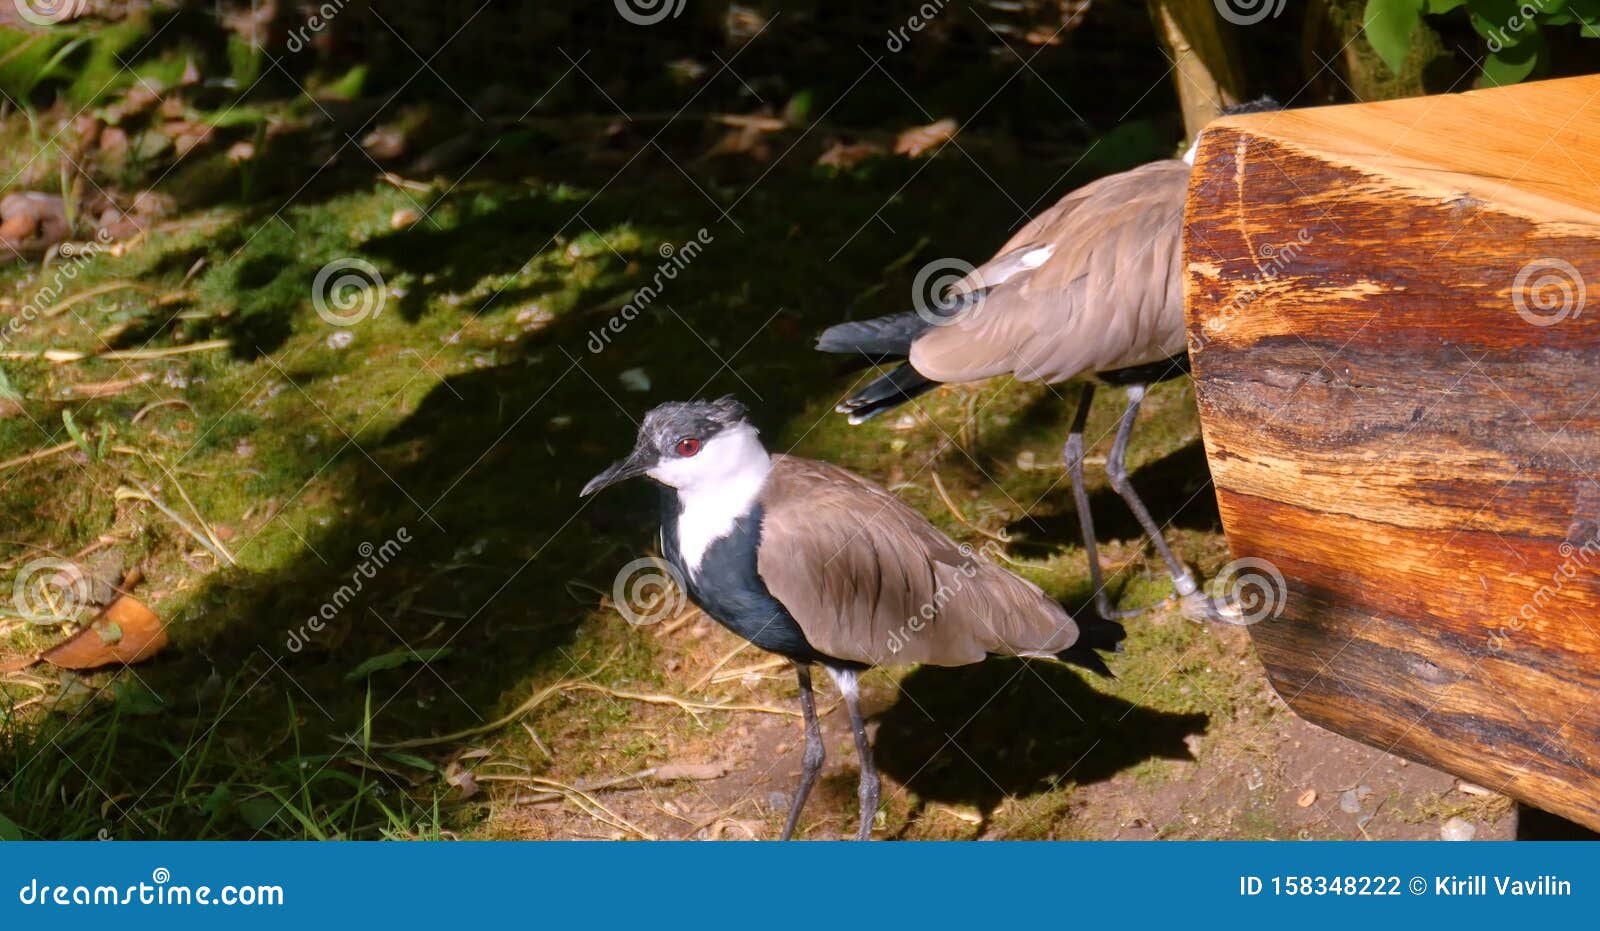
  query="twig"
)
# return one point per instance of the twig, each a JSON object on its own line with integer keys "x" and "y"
{"x": 170, "y": 402}
{"x": 38, "y": 454}
{"x": 700, "y": 683}
{"x": 956, "y": 512}
{"x": 545, "y": 694}
{"x": 140, "y": 493}
{"x": 585, "y": 801}
{"x": 59, "y": 356}
{"x": 106, "y": 288}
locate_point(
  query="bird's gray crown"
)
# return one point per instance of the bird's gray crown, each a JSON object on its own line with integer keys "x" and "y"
{"x": 668, "y": 423}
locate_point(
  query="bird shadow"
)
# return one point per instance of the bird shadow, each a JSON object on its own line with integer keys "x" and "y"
{"x": 977, "y": 735}
{"x": 1175, "y": 488}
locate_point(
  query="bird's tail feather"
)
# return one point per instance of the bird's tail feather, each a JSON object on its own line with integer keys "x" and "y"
{"x": 880, "y": 336}
{"x": 885, "y": 392}
{"x": 1096, "y": 634}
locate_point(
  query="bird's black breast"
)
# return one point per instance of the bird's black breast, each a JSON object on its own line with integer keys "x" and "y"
{"x": 728, "y": 586}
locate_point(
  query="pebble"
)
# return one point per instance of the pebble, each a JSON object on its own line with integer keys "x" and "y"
{"x": 1348, "y": 802}
{"x": 339, "y": 339}
{"x": 1458, "y": 828}
{"x": 1307, "y": 798}
{"x": 635, "y": 380}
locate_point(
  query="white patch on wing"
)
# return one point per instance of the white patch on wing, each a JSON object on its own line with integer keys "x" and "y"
{"x": 1194, "y": 149}
{"x": 1037, "y": 257}
{"x": 716, "y": 487}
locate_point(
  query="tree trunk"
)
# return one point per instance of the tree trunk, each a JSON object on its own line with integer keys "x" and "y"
{"x": 1205, "y": 67}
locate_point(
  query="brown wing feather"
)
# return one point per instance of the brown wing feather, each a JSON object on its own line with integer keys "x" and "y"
{"x": 868, "y": 579}
{"x": 1109, "y": 296}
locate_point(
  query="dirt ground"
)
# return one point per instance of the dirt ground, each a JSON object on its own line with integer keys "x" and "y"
{"x": 1262, "y": 774}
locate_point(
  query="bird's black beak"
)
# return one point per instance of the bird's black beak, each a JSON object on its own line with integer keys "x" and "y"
{"x": 636, "y": 464}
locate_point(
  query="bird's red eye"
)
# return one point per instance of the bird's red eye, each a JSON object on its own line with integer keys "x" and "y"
{"x": 688, "y": 447}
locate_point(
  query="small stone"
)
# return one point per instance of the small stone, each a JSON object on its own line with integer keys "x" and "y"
{"x": 778, "y": 800}
{"x": 635, "y": 380}
{"x": 1307, "y": 798}
{"x": 1025, "y": 460}
{"x": 339, "y": 339}
{"x": 1348, "y": 802}
{"x": 404, "y": 218}
{"x": 1363, "y": 792}
{"x": 1458, "y": 828}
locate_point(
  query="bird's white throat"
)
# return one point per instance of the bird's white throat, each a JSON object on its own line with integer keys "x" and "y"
{"x": 716, "y": 487}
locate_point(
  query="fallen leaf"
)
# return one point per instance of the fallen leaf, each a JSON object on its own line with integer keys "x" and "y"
{"x": 845, "y": 157}
{"x": 1306, "y": 798}
{"x": 125, "y": 632}
{"x": 920, "y": 140}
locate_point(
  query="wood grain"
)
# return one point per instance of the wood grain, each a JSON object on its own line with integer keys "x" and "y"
{"x": 1401, "y": 409}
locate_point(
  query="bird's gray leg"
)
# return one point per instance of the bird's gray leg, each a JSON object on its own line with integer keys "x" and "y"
{"x": 1196, "y": 604}
{"x": 1117, "y": 471}
{"x": 1072, "y": 452}
{"x": 867, "y": 791}
{"x": 811, "y": 758}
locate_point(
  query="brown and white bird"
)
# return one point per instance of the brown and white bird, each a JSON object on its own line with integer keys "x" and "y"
{"x": 1089, "y": 290}
{"x": 816, "y": 564}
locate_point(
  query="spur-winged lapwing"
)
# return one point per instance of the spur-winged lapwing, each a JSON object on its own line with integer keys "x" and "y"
{"x": 816, "y": 564}
{"x": 1090, "y": 289}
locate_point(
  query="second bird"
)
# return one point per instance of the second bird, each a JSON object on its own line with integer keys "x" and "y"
{"x": 1090, "y": 289}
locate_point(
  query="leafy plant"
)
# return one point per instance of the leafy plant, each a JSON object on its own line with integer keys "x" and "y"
{"x": 1513, "y": 31}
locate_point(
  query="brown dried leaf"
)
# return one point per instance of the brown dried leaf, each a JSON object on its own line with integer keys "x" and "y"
{"x": 845, "y": 157}
{"x": 126, "y": 632}
{"x": 920, "y": 140}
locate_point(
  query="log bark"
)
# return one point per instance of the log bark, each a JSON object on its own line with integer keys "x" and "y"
{"x": 1401, "y": 407}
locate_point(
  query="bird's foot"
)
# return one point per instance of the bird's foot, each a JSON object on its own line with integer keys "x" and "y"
{"x": 1198, "y": 606}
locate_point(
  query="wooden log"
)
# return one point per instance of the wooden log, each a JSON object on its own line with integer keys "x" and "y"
{"x": 1399, "y": 387}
